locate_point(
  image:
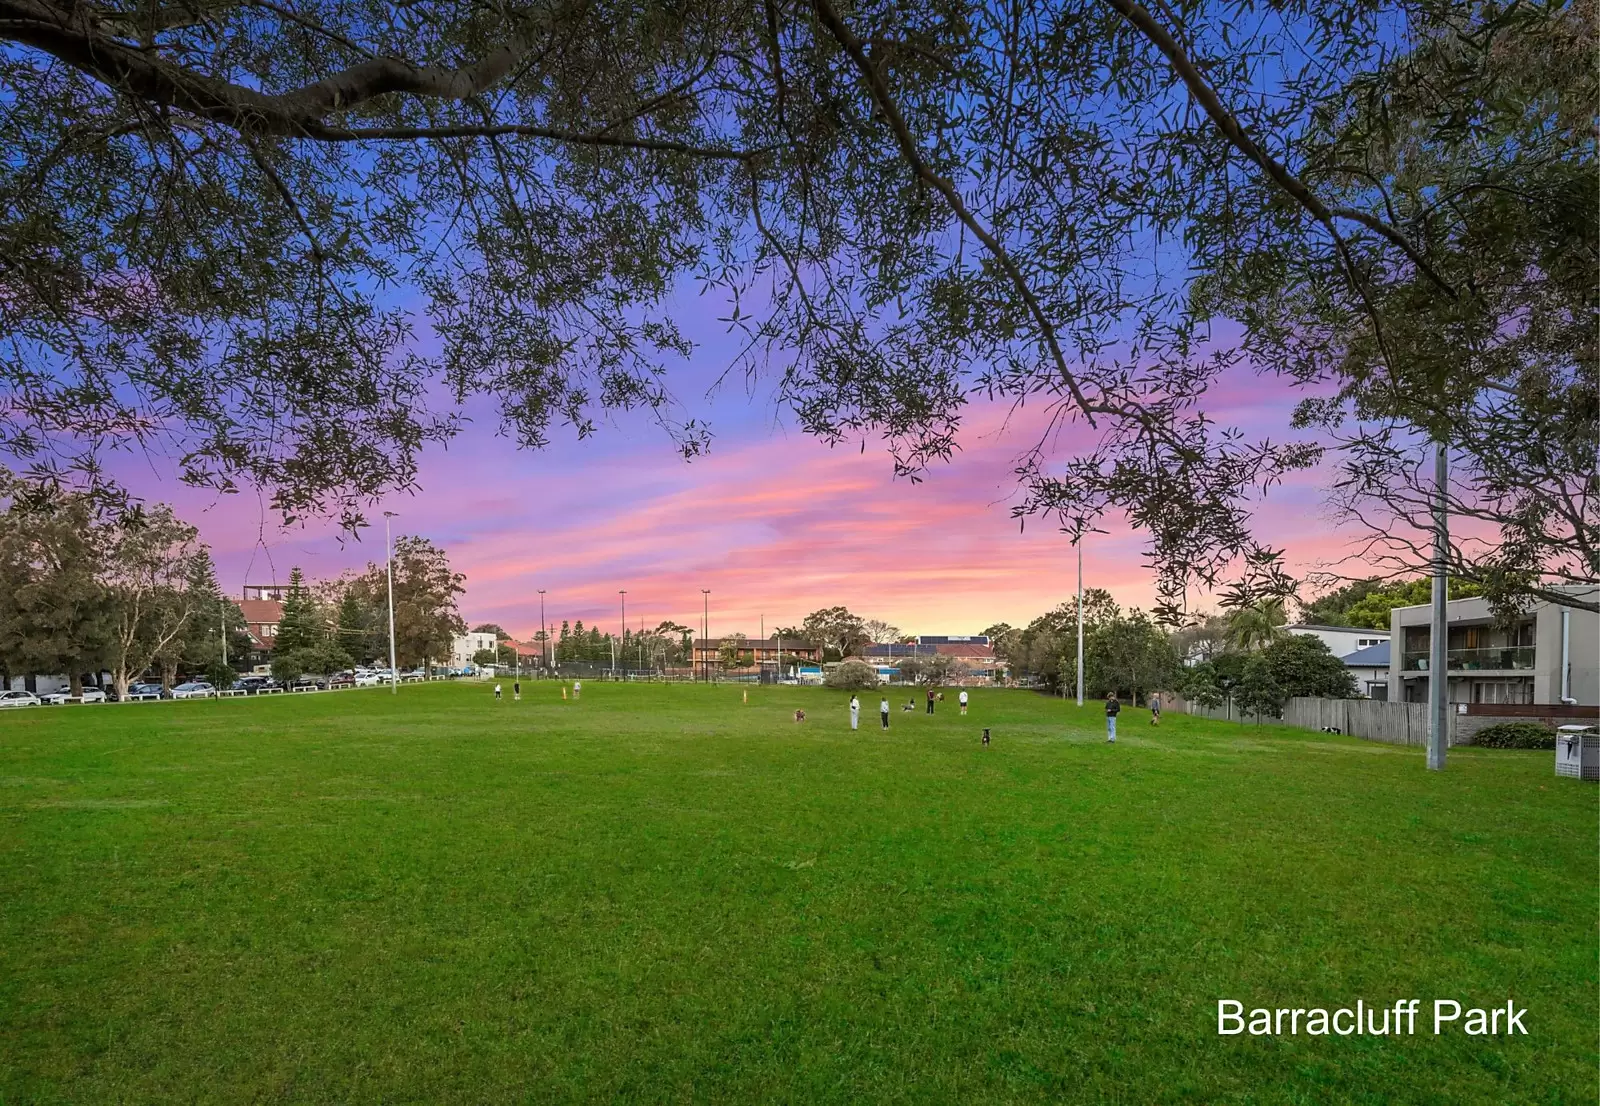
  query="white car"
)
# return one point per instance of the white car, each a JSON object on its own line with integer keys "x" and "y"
{"x": 58, "y": 698}
{"x": 18, "y": 699}
{"x": 372, "y": 679}
{"x": 197, "y": 689}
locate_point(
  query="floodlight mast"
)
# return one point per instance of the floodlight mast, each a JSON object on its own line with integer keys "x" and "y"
{"x": 1439, "y": 676}
{"x": 1079, "y": 544}
{"x": 388, "y": 561}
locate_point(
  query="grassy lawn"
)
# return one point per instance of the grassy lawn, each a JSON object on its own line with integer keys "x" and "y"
{"x": 663, "y": 894}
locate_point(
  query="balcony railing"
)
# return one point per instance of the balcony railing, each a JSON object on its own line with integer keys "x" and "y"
{"x": 1498, "y": 658}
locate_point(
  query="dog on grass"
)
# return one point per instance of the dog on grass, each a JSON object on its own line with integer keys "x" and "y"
{"x": 799, "y": 716}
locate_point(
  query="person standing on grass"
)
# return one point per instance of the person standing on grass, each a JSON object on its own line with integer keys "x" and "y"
{"x": 577, "y": 688}
{"x": 930, "y": 700}
{"x": 855, "y": 712}
{"x": 963, "y": 701}
{"x": 1112, "y": 709}
{"x": 516, "y": 692}
{"x": 497, "y": 693}
{"x": 1155, "y": 710}
{"x": 883, "y": 711}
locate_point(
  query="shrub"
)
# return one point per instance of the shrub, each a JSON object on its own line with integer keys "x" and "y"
{"x": 853, "y": 675}
{"x": 1516, "y": 735}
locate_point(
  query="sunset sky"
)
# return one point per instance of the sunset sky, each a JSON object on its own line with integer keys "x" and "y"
{"x": 775, "y": 523}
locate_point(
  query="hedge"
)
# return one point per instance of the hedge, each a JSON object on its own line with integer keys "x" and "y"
{"x": 1515, "y": 735}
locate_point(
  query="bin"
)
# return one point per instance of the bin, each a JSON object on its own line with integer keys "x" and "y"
{"x": 1578, "y": 752}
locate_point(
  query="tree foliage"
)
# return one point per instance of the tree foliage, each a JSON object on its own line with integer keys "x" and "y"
{"x": 838, "y": 632}
{"x": 852, "y": 675}
{"x": 213, "y": 214}
{"x": 1367, "y": 603}
{"x": 57, "y": 615}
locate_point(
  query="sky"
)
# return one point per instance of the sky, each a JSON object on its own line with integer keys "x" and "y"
{"x": 773, "y": 522}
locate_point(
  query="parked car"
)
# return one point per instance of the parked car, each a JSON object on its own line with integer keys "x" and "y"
{"x": 140, "y": 691}
{"x": 18, "y": 699}
{"x": 57, "y": 698}
{"x": 308, "y": 680}
{"x": 372, "y": 679}
{"x": 194, "y": 689}
{"x": 342, "y": 679}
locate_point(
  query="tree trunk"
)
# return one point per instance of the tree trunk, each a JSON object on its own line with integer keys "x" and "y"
{"x": 169, "y": 673}
{"x": 75, "y": 685}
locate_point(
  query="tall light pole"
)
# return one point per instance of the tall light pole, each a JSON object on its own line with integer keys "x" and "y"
{"x": 544, "y": 634}
{"x": 1439, "y": 661}
{"x": 1079, "y": 544}
{"x": 388, "y": 561}
{"x": 622, "y": 633}
{"x": 705, "y": 629}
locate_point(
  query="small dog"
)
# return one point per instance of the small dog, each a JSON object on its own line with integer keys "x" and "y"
{"x": 1331, "y": 729}
{"x": 908, "y": 706}
{"x": 986, "y": 737}
{"x": 799, "y": 716}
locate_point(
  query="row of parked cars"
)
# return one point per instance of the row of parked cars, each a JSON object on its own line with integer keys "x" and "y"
{"x": 201, "y": 689}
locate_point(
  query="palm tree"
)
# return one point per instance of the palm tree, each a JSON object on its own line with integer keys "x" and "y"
{"x": 1256, "y": 625}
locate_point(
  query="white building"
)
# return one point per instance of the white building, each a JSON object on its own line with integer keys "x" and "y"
{"x": 1341, "y": 640}
{"x": 1370, "y": 667}
{"x": 463, "y": 647}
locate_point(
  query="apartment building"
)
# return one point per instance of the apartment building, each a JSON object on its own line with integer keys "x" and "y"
{"x": 1548, "y": 653}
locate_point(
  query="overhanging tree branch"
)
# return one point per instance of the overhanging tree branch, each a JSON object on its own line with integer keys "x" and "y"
{"x": 1230, "y": 128}
{"x": 881, "y": 96}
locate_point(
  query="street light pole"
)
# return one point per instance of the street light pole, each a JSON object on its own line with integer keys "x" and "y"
{"x": 544, "y": 635}
{"x": 1079, "y": 544}
{"x": 1438, "y": 663}
{"x": 705, "y": 627}
{"x": 622, "y": 633}
{"x": 388, "y": 561}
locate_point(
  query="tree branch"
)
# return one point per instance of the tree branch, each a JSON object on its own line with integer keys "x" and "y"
{"x": 1230, "y": 128}
{"x": 881, "y": 96}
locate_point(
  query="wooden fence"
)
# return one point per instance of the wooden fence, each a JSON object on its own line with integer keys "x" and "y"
{"x": 1373, "y": 719}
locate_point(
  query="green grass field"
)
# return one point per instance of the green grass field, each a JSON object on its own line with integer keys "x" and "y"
{"x": 663, "y": 894}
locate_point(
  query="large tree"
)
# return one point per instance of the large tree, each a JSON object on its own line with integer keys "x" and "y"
{"x": 836, "y": 630}
{"x": 165, "y": 591}
{"x": 56, "y": 614}
{"x": 426, "y": 618}
{"x": 214, "y": 214}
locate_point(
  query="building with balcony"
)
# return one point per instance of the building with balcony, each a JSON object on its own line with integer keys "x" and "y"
{"x": 763, "y": 651}
{"x": 1548, "y": 652}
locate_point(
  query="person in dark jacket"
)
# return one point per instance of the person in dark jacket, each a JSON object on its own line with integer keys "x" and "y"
{"x": 1112, "y": 709}
{"x": 930, "y": 700}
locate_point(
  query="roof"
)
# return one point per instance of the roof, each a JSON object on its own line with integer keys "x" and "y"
{"x": 1336, "y": 629}
{"x": 788, "y": 643}
{"x": 896, "y": 651}
{"x": 1374, "y": 656}
{"x": 261, "y": 610}
{"x": 985, "y": 652}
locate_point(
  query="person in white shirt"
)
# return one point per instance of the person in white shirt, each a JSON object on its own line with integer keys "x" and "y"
{"x": 497, "y": 693}
{"x": 855, "y": 712}
{"x": 577, "y": 688}
{"x": 883, "y": 712}
{"x": 963, "y": 704}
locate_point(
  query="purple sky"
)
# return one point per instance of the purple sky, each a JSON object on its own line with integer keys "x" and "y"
{"x": 774, "y": 522}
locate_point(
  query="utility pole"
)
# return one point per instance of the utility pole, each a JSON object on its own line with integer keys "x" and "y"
{"x": 705, "y": 629}
{"x": 222, "y": 628}
{"x": 1439, "y": 661}
{"x": 1079, "y": 544}
{"x": 388, "y": 561}
{"x": 544, "y": 634}
{"x": 615, "y": 649}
